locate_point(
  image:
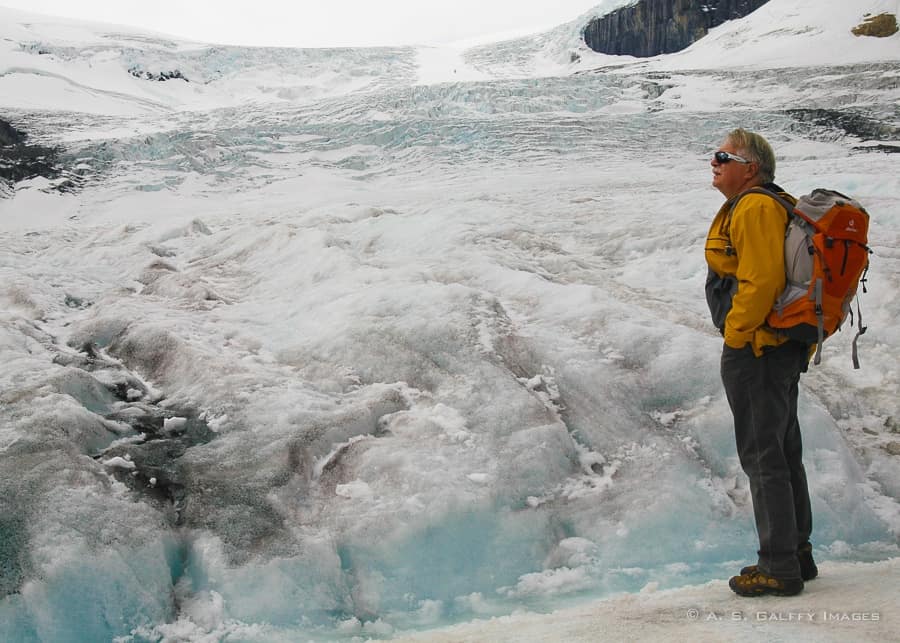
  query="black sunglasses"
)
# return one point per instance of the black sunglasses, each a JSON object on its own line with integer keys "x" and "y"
{"x": 724, "y": 157}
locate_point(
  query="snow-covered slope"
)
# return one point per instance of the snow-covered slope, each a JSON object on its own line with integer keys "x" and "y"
{"x": 48, "y": 63}
{"x": 54, "y": 63}
{"x": 327, "y": 344}
{"x": 796, "y": 33}
{"x": 799, "y": 33}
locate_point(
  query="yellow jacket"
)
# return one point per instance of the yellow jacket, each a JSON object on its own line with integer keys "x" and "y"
{"x": 745, "y": 254}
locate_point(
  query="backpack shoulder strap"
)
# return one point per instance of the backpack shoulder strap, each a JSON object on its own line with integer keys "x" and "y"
{"x": 793, "y": 214}
{"x": 784, "y": 203}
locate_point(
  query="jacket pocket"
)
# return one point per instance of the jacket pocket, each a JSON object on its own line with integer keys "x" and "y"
{"x": 719, "y": 294}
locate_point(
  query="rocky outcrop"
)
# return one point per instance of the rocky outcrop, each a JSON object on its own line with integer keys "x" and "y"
{"x": 848, "y": 122}
{"x": 653, "y": 27}
{"x": 19, "y": 161}
{"x": 881, "y": 26}
{"x": 819, "y": 122}
{"x": 138, "y": 72}
{"x": 9, "y": 135}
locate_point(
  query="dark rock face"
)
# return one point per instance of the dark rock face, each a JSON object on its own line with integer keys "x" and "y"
{"x": 653, "y": 27}
{"x": 849, "y": 123}
{"x": 9, "y": 135}
{"x": 19, "y": 161}
{"x": 831, "y": 123}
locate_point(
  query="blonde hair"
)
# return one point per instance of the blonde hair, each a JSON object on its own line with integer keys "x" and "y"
{"x": 756, "y": 149}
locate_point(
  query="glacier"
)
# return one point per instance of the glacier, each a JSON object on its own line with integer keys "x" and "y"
{"x": 353, "y": 343}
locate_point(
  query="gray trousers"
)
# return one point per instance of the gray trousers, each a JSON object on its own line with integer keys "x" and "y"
{"x": 762, "y": 393}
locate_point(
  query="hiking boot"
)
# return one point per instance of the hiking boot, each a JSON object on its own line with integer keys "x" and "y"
{"x": 808, "y": 569}
{"x": 758, "y": 584}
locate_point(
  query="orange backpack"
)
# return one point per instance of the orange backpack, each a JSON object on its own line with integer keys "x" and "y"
{"x": 826, "y": 257}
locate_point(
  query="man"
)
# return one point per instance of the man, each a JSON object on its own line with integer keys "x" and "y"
{"x": 760, "y": 369}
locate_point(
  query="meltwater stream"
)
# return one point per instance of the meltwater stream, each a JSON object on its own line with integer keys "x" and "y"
{"x": 396, "y": 359}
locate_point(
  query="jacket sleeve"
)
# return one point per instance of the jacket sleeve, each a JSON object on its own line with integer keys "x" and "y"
{"x": 757, "y": 234}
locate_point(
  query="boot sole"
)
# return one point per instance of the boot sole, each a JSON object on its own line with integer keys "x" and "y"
{"x": 752, "y": 568}
{"x": 763, "y": 591}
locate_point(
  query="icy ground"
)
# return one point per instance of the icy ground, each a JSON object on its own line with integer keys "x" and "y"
{"x": 358, "y": 343}
{"x": 851, "y": 602}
